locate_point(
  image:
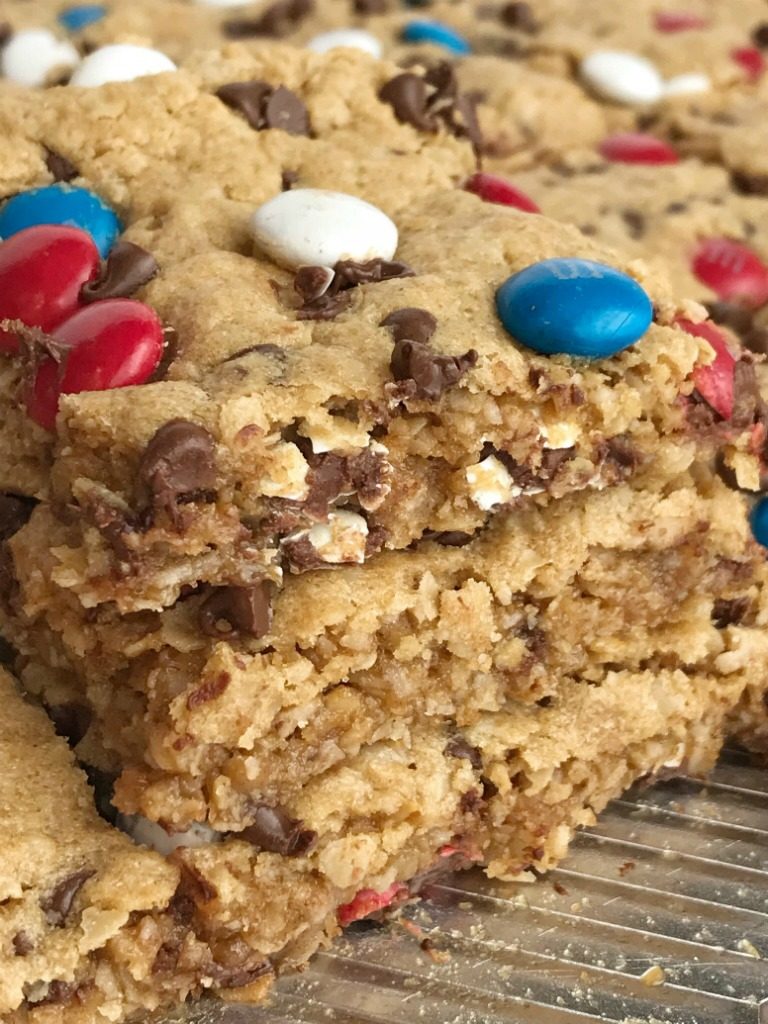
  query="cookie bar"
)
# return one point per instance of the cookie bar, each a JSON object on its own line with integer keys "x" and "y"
{"x": 80, "y": 903}
{"x": 315, "y": 437}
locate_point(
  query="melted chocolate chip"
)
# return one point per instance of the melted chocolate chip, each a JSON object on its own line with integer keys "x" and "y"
{"x": 428, "y": 101}
{"x": 620, "y": 454}
{"x": 127, "y": 269}
{"x": 288, "y": 179}
{"x": 635, "y": 222}
{"x": 448, "y": 538}
{"x": 277, "y": 20}
{"x": 170, "y": 351}
{"x": 71, "y": 720}
{"x": 264, "y": 106}
{"x": 275, "y": 831}
{"x": 324, "y": 299}
{"x": 760, "y": 34}
{"x": 178, "y": 463}
{"x": 265, "y": 349}
{"x": 746, "y": 395}
{"x": 729, "y": 613}
{"x": 458, "y": 747}
{"x": 113, "y": 524}
{"x": 237, "y": 611}
{"x": 60, "y": 167}
{"x": 22, "y": 944}
{"x": 519, "y": 15}
{"x": 312, "y": 282}
{"x": 429, "y": 372}
{"x": 750, "y": 184}
{"x": 14, "y": 513}
{"x": 350, "y": 274}
{"x": 58, "y": 904}
{"x": 411, "y": 324}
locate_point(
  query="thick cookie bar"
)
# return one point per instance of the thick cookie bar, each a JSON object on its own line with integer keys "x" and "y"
{"x": 81, "y": 906}
{"x": 318, "y": 428}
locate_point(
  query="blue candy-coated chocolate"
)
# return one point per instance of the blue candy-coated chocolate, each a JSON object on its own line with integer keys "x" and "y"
{"x": 424, "y": 30}
{"x": 61, "y": 204}
{"x": 81, "y": 15}
{"x": 574, "y": 307}
{"x": 759, "y": 521}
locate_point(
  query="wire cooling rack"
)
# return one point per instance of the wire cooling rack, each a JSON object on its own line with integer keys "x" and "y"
{"x": 659, "y": 915}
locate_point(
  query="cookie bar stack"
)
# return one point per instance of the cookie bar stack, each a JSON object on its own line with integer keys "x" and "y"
{"x": 355, "y": 527}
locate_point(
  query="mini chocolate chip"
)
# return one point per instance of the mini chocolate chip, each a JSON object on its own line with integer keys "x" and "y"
{"x": 14, "y": 513}
{"x": 458, "y": 747}
{"x": 635, "y": 222}
{"x": 746, "y": 394}
{"x": 676, "y": 207}
{"x": 750, "y": 184}
{"x": 71, "y": 720}
{"x": 448, "y": 538}
{"x": 288, "y": 179}
{"x": 233, "y": 611}
{"x": 430, "y": 372}
{"x": 364, "y": 7}
{"x": 411, "y": 324}
{"x": 760, "y": 34}
{"x": 179, "y": 461}
{"x": 729, "y": 613}
{"x": 22, "y": 944}
{"x": 263, "y": 106}
{"x": 519, "y": 15}
{"x": 58, "y": 904}
{"x": 277, "y": 20}
{"x": 265, "y": 349}
{"x": 407, "y": 94}
{"x": 275, "y": 831}
{"x": 60, "y": 167}
{"x": 127, "y": 269}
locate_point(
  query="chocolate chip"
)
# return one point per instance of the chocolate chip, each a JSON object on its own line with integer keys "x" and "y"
{"x": 113, "y": 524}
{"x": 178, "y": 463}
{"x": 58, "y": 992}
{"x": 127, "y": 269}
{"x": 635, "y": 222}
{"x": 58, "y": 904}
{"x": 760, "y": 34}
{"x": 425, "y": 102}
{"x": 288, "y": 179}
{"x": 349, "y": 273}
{"x": 265, "y": 349}
{"x": 448, "y": 538}
{"x": 411, "y": 324}
{"x": 60, "y": 167}
{"x": 22, "y": 944}
{"x": 729, "y": 613}
{"x": 277, "y": 20}
{"x": 676, "y": 207}
{"x": 312, "y": 282}
{"x": 750, "y": 184}
{"x": 746, "y": 395}
{"x": 519, "y": 15}
{"x": 621, "y": 455}
{"x": 210, "y": 690}
{"x": 324, "y": 299}
{"x": 71, "y": 720}
{"x": 458, "y": 747}
{"x": 273, "y": 830}
{"x": 364, "y": 7}
{"x": 263, "y": 106}
{"x": 429, "y": 372}
{"x": 551, "y": 461}
{"x": 730, "y": 314}
{"x": 14, "y": 513}
{"x": 235, "y": 611}
{"x": 407, "y": 94}
{"x": 170, "y": 351}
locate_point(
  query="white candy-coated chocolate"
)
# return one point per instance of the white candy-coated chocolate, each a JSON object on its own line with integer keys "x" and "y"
{"x": 687, "y": 85}
{"x": 622, "y": 77}
{"x": 353, "y": 38}
{"x": 149, "y": 833}
{"x": 121, "y": 62}
{"x": 314, "y": 227}
{"x": 33, "y": 55}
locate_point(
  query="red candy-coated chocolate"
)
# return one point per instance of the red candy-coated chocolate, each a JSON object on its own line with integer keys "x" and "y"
{"x": 678, "y": 21}
{"x": 637, "y": 148}
{"x": 42, "y": 270}
{"x": 367, "y": 901}
{"x": 493, "y": 189}
{"x": 732, "y": 270}
{"x": 714, "y": 382}
{"x": 109, "y": 344}
{"x": 751, "y": 60}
